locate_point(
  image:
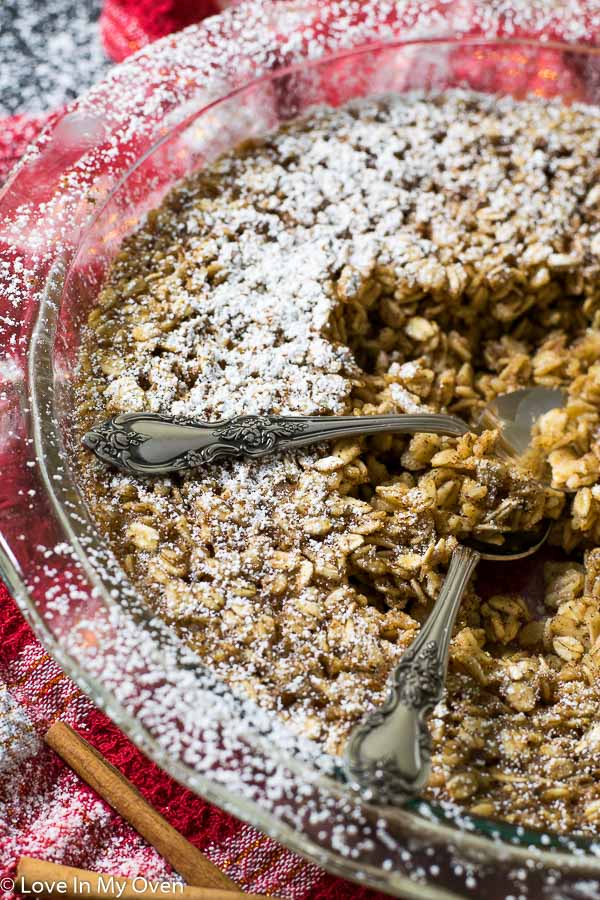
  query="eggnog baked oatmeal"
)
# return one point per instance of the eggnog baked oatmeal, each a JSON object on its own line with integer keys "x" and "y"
{"x": 398, "y": 254}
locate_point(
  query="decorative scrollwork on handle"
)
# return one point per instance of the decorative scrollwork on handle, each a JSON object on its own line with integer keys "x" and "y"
{"x": 418, "y": 678}
{"x": 252, "y": 436}
{"x": 113, "y": 443}
{"x": 388, "y": 754}
{"x": 258, "y": 434}
{"x": 151, "y": 443}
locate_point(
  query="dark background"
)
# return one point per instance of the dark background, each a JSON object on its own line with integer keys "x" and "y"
{"x": 50, "y": 51}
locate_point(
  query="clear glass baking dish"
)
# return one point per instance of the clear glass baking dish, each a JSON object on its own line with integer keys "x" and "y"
{"x": 85, "y": 184}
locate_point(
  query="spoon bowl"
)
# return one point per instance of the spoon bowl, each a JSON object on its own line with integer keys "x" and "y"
{"x": 515, "y": 415}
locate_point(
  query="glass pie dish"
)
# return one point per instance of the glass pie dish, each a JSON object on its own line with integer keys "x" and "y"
{"x": 85, "y": 184}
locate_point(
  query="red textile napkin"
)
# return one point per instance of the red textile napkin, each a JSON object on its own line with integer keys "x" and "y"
{"x": 45, "y": 809}
{"x": 127, "y": 25}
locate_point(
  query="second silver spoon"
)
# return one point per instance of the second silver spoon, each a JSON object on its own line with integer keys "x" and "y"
{"x": 389, "y": 753}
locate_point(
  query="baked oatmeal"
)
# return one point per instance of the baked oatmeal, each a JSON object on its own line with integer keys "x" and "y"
{"x": 399, "y": 254}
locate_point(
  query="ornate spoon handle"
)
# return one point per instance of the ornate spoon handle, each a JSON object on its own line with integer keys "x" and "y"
{"x": 154, "y": 444}
{"x": 388, "y": 755}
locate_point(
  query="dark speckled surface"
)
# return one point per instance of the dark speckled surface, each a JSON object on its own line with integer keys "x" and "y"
{"x": 50, "y": 51}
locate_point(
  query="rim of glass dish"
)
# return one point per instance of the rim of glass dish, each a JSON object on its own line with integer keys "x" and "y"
{"x": 517, "y": 840}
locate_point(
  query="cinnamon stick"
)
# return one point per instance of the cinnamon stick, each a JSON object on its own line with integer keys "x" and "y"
{"x": 119, "y": 793}
{"x": 37, "y": 877}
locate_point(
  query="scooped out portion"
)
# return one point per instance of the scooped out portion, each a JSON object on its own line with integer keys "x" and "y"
{"x": 401, "y": 253}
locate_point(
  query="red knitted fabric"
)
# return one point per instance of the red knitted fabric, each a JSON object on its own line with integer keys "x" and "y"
{"x": 129, "y": 24}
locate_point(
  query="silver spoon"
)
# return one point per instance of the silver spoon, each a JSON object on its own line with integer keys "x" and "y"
{"x": 156, "y": 444}
{"x": 388, "y": 756}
